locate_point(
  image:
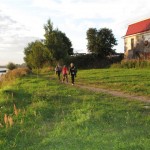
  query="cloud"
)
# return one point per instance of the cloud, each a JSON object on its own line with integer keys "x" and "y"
{"x": 13, "y": 39}
{"x": 11, "y": 49}
{"x": 91, "y": 8}
{"x": 76, "y": 16}
{"x": 22, "y": 20}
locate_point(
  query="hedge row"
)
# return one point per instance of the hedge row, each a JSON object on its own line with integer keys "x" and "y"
{"x": 93, "y": 61}
{"x": 133, "y": 63}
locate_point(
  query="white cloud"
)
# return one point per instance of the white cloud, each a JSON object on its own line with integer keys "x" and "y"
{"x": 24, "y": 19}
{"x": 13, "y": 38}
{"x": 76, "y": 15}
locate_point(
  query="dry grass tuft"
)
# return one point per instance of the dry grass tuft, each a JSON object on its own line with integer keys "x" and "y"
{"x": 10, "y": 120}
{"x": 6, "y": 120}
{"x": 132, "y": 63}
{"x": 13, "y": 74}
{"x": 15, "y": 110}
{"x": 1, "y": 126}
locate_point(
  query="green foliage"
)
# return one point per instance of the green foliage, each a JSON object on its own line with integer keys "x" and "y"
{"x": 101, "y": 41}
{"x": 11, "y": 75}
{"x": 92, "y": 40}
{"x": 37, "y": 55}
{"x": 43, "y": 70}
{"x": 88, "y": 61}
{"x": 132, "y": 63}
{"x": 56, "y": 116}
{"x": 116, "y": 65}
{"x": 55, "y": 47}
{"x": 11, "y": 66}
{"x": 57, "y": 42}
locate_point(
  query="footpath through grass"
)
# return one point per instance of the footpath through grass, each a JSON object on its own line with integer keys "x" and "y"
{"x": 53, "y": 116}
{"x": 134, "y": 81}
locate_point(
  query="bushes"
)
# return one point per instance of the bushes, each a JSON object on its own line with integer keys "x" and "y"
{"x": 43, "y": 70}
{"x": 11, "y": 66}
{"x": 19, "y": 72}
{"x": 88, "y": 61}
{"x": 13, "y": 74}
{"x": 133, "y": 63}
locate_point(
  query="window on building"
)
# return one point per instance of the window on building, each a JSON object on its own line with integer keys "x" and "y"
{"x": 132, "y": 43}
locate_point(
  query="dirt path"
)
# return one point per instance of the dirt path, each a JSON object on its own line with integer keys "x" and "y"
{"x": 115, "y": 93}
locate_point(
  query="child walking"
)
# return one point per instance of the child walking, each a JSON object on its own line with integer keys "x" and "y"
{"x": 58, "y": 70}
{"x": 65, "y": 73}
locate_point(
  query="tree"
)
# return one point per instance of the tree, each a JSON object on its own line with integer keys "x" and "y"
{"x": 68, "y": 44}
{"x": 11, "y": 66}
{"x": 101, "y": 41}
{"x": 57, "y": 42}
{"x": 56, "y": 46}
{"x": 92, "y": 38}
{"x": 36, "y": 55}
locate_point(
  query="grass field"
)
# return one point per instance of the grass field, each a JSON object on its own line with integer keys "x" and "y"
{"x": 134, "y": 81}
{"x": 54, "y": 116}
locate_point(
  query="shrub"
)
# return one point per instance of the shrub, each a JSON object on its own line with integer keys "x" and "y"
{"x": 13, "y": 74}
{"x": 11, "y": 66}
{"x": 116, "y": 65}
{"x": 88, "y": 61}
{"x": 43, "y": 70}
{"x": 17, "y": 73}
{"x": 132, "y": 63}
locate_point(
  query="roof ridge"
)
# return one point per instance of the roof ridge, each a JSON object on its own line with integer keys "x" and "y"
{"x": 138, "y": 27}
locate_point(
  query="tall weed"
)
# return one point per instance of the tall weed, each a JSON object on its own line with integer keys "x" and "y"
{"x": 43, "y": 70}
{"x": 132, "y": 63}
{"x": 13, "y": 74}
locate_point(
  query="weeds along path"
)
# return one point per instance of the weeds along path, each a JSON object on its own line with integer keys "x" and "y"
{"x": 114, "y": 93}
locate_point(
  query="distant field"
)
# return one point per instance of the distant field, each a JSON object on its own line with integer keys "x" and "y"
{"x": 136, "y": 81}
{"x": 54, "y": 116}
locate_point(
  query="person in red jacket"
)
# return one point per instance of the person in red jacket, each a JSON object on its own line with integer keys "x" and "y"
{"x": 65, "y": 73}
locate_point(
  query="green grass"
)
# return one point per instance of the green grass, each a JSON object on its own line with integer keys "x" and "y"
{"x": 135, "y": 81}
{"x": 61, "y": 117}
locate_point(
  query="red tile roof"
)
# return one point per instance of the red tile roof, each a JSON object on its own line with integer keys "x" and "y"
{"x": 138, "y": 27}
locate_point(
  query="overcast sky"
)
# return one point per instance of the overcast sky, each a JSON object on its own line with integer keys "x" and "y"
{"x": 21, "y": 21}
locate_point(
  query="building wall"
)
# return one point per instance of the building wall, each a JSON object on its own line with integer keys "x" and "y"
{"x": 140, "y": 44}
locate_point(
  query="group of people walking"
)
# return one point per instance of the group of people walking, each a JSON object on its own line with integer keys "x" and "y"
{"x": 65, "y": 72}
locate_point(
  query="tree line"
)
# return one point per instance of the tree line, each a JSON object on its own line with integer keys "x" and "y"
{"x": 57, "y": 46}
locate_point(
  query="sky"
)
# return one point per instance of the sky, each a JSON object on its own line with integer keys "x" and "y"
{"x": 22, "y": 21}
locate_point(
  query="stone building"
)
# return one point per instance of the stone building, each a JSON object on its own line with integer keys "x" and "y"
{"x": 137, "y": 40}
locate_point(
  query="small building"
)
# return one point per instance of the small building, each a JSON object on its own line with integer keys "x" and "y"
{"x": 137, "y": 40}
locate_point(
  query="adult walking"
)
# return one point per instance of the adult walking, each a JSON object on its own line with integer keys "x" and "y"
{"x": 72, "y": 72}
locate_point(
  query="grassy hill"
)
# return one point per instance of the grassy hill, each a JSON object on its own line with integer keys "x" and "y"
{"x": 133, "y": 81}
{"x": 48, "y": 115}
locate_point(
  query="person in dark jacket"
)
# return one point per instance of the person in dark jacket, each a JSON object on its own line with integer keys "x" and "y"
{"x": 72, "y": 72}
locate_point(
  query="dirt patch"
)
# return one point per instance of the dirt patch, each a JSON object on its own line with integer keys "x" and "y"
{"x": 116, "y": 93}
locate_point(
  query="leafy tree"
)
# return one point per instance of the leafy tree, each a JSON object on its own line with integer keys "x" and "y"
{"x": 57, "y": 42}
{"x": 101, "y": 41}
{"x": 68, "y": 44}
{"x": 11, "y": 66}
{"x": 36, "y": 55}
{"x": 92, "y": 38}
{"x": 56, "y": 46}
